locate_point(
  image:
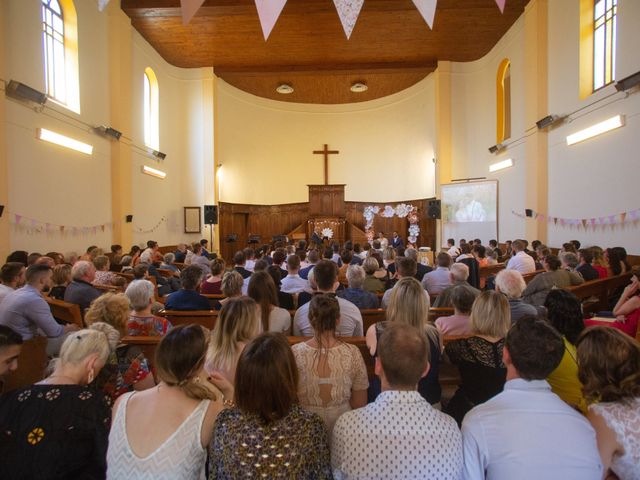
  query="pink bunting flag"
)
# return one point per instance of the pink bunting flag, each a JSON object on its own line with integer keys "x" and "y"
{"x": 93, "y": 230}
{"x": 633, "y": 214}
{"x": 33, "y": 222}
{"x": 562, "y": 222}
{"x": 601, "y": 220}
{"x": 269, "y": 12}
{"x": 189, "y": 9}
{"x": 623, "y": 216}
{"x": 501, "y": 4}
{"x": 593, "y": 222}
{"x": 102, "y": 227}
{"x": 348, "y": 11}
{"x": 18, "y": 217}
{"x": 61, "y": 228}
{"x": 612, "y": 219}
{"x": 427, "y": 9}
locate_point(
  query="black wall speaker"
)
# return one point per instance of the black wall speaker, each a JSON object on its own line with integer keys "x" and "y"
{"x": 129, "y": 218}
{"x": 433, "y": 209}
{"x": 1, "y": 209}
{"x": 211, "y": 214}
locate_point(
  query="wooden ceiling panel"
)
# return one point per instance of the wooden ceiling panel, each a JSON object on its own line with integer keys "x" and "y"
{"x": 390, "y": 42}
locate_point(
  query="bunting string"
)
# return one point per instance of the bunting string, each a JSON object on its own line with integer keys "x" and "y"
{"x": 631, "y": 216}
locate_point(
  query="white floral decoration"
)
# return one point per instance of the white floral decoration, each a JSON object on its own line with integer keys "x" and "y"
{"x": 388, "y": 211}
{"x": 327, "y": 232}
{"x": 401, "y": 210}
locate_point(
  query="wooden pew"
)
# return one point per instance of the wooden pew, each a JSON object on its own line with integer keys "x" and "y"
{"x": 181, "y": 266}
{"x": 214, "y": 298}
{"x": 435, "y": 313}
{"x": 65, "y": 311}
{"x": 31, "y": 365}
{"x": 595, "y": 295}
{"x": 166, "y": 273}
{"x": 530, "y": 276}
{"x": 206, "y": 318}
{"x": 148, "y": 346}
{"x": 108, "y": 288}
{"x": 371, "y": 316}
{"x": 488, "y": 271}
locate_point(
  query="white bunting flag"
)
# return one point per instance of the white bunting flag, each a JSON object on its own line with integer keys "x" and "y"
{"x": 348, "y": 10}
{"x": 427, "y": 9}
{"x": 269, "y": 12}
{"x": 501, "y": 5}
{"x": 189, "y": 9}
{"x": 102, "y": 4}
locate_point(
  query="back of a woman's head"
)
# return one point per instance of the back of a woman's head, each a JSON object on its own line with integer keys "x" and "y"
{"x": 231, "y": 285}
{"x": 490, "y": 314}
{"x": 217, "y": 266}
{"x": 564, "y": 312}
{"x": 99, "y": 339}
{"x": 263, "y": 291}
{"x": 608, "y": 365}
{"x": 408, "y": 303}
{"x": 615, "y": 262}
{"x": 462, "y": 298}
{"x": 61, "y": 274}
{"x": 237, "y": 322}
{"x": 180, "y": 357}
{"x": 553, "y": 262}
{"x": 370, "y": 265}
{"x": 324, "y": 312}
{"x": 266, "y": 382}
{"x": 109, "y": 308}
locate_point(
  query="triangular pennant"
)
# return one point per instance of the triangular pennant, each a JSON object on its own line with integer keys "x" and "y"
{"x": 269, "y": 11}
{"x": 633, "y": 214}
{"x": 623, "y": 216}
{"x": 61, "y": 228}
{"x": 427, "y": 9}
{"x": 18, "y": 217}
{"x": 584, "y": 223}
{"x": 601, "y": 220}
{"x": 612, "y": 219}
{"x": 102, "y": 4}
{"x": 501, "y": 4}
{"x": 189, "y": 9}
{"x": 102, "y": 227}
{"x": 593, "y": 222}
{"x": 348, "y": 11}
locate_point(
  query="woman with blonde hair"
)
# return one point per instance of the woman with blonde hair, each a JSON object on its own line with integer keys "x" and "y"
{"x": 371, "y": 282}
{"x": 61, "y": 278}
{"x": 163, "y": 433}
{"x": 127, "y": 368}
{"x": 609, "y": 370}
{"x": 231, "y": 287}
{"x": 479, "y": 357}
{"x": 58, "y": 428}
{"x": 263, "y": 291}
{"x": 237, "y": 324}
{"x": 408, "y": 304}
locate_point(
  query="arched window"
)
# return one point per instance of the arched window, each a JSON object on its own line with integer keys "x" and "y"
{"x": 151, "y": 110}
{"x": 503, "y": 101}
{"x": 60, "y": 46}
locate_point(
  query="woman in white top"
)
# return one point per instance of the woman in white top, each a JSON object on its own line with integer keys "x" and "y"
{"x": 609, "y": 370}
{"x": 263, "y": 290}
{"x": 163, "y": 432}
{"x": 333, "y": 376}
{"x": 237, "y": 324}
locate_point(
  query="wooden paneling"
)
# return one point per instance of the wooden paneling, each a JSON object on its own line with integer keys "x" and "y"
{"x": 326, "y": 200}
{"x": 390, "y": 49}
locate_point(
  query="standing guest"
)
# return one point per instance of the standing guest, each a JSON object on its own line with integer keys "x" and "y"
{"x": 512, "y": 284}
{"x": 12, "y": 276}
{"x": 396, "y": 240}
{"x": 552, "y": 277}
{"x": 142, "y": 322}
{"x": 181, "y": 252}
{"x": 355, "y": 293}
{"x": 61, "y": 278}
{"x": 293, "y": 282}
{"x": 436, "y": 281}
{"x": 10, "y": 348}
{"x": 421, "y": 269}
{"x": 163, "y": 432}
{"x": 384, "y": 241}
{"x": 609, "y": 369}
{"x": 127, "y": 368}
{"x": 585, "y": 268}
{"x": 458, "y": 275}
{"x": 103, "y": 275}
{"x": 527, "y": 432}
{"x": 80, "y": 291}
{"x": 333, "y": 377}
{"x": 115, "y": 255}
{"x": 267, "y": 412}
{"x": 399, "y": 435}
{"x": 285, "y": 300}
{"x": 200, "y": 260}
{"x": 564, "y": 313}
{"x": 372, "y": 283}
{"x": 520, "y": 260}
{"x": 188, "y": 298}
{"x": 212, "y": 285}
{"x": 460, "y": 322}
{"x": 263, "y": 291}
{"x": 479, "y": 358}
{"x": 58, "y": 428}
{"x": 599, "y": 263}
{"x": 238, "y": 324}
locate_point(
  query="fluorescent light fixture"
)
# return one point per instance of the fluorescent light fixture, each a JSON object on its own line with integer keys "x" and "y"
{"x": 58, "y": 139}
{"x": 597, "y": 129}
{"x": 153, "y": 172}
{"x": 494, "y": 167}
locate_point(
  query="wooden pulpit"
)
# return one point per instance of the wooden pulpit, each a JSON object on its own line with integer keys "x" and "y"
{"x": 327, "y": 210}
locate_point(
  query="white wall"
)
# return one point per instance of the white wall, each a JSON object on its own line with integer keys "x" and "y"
{"x": 386, "y": 146}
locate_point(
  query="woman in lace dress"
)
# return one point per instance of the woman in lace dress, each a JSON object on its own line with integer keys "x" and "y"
{"x": 609, "y": 369}
{"x": 333, "y": 376}
{"x": 163, "y": 432}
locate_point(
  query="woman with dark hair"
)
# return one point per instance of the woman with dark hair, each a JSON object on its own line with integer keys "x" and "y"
{"x": 263, "y": 291}
{"x": 267, "y": 434}
{"x": 564, "y": 313}
{"x": 212, "y": 285}
{"x": 285, "y": 300}
{"x": 480, "y": 254}
{"x": 19, "y": 256}
{"x": 617, "y": 260}
{"x": 599, "y": 263}
{"x": 333, "y": 377}
{"x": 609, "y": 369}
{"x": 10, "y": 348}
{"x": 553, "y": 277}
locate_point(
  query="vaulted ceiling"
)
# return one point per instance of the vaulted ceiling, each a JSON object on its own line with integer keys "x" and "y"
{"x": 390, "y": 49}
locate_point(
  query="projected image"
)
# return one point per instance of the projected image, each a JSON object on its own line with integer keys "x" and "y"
{"x": 469, "y": 210}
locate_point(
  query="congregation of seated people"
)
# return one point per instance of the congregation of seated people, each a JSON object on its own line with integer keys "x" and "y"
{"x": 481, "y": 363}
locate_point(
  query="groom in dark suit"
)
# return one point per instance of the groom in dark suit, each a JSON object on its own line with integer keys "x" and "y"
{"x": 396, "y": 241}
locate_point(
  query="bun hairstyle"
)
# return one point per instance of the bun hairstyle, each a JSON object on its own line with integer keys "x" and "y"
{"x": 179, "y": 359}
{"x": 324, "y": 313}
{"x": 100, "y": 338}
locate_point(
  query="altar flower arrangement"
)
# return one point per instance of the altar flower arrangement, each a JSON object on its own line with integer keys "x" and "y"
{"x": 327, "y": 232}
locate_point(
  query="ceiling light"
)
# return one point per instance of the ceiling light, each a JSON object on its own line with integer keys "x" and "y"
{"x": 108, "y": 132}
{"x": 153, "y": 172}
{"x": 494, "y": 167}
{"x": 359, "y": 87}
{"x": 53, "y": 137}
{"x": 597, "y": 129}
{"x": 158, "y": 155}
{"x": 20, "y": 91}
{"x": 548, "y": 121}
{"x": 284, "y": 89}
{"x": 496, "y": 148}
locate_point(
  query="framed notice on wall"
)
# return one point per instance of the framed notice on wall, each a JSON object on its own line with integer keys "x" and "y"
{"x": 192, "y": 220}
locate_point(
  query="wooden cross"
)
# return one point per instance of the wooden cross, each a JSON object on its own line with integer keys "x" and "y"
{"x": 326, "y": 152}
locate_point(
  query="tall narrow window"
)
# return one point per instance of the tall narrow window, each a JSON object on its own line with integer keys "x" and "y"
{"x": 60, "y": 46}
{"x": 151, "y": 111}
{"x": 604, "y": 42}
{"x": 503, "y": 101}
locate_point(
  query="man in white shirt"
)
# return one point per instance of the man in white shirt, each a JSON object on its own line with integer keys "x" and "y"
{"x": 405, "y": 267}
{"x": 12, "y": 277}
{"x": 527, "y": 432}
{"x": 293, "y": 283}
{"x": 436, "y": 281}
{"x": 453, "y": 250}
{"x": 399, "y": 435}
{"x": 326, "y": 277}
{"x": 521, "y": 261}
{"x": 148, "y": 255}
